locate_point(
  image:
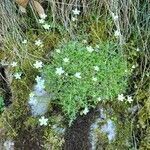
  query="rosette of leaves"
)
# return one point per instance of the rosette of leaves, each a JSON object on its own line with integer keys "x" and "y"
{"x": 74, "y": 94}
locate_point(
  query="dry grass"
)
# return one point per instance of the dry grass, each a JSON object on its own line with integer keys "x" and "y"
{"x": 132, "y": 22}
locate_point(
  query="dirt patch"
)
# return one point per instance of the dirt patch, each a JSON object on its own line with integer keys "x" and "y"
{"x": 77, "y": 136}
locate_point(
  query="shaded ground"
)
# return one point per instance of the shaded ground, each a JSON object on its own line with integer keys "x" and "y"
{"x": 77, "y": 136}
{"x": 4, "y": 86}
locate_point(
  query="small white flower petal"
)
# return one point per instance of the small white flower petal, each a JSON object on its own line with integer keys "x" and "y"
{"x": 43, "y": 16}
{"x": 46, "y": 26}
{"x": 137, "y": 49}
{"x": 94, "y": 79}
{"x": 134, "y": 66}
{"x": 121, "y": 97}
{"x": 38, "y": 42}
{"x": 58, "y": 50}
{"x": 96, "y": 68}
{"x": 43, "y": 121}
{"x": 31, "y": 95}
{"x": 84, "y": 41}
{"x": 99, "y": 99}
{"x": 90, "y": 49}
{"x": 76, "y": 11}
{"x": 59, "y": 71}
{"x": 66, "y": 60}
{"x": 85, "y": 111}
{"x": 41, "y": 21}
{"x": 117, "y": 33}
{"x": 24, "y": 41}
{"x": 17, "y": 75}
{"x": 38, "y": 64}
{"x": 38, "y": 79}
{"x": 74, "y": 19}
{"x": 129, "y": 99}
{"x": 9, "y": 145}
{"x": 115, "y": 17}
{"x": 78, "y": 75}
{"x": 14, "y": 64}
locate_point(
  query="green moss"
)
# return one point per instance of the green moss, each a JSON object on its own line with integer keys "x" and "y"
{"x": 53, "y": 140}
{"x": 1, "y": 104}
{"x": 145, "y": 143}
{"x": 100, "y": 29}
{"x": 17, "y": 118}
{"x": 53, "y": 134}
{"x": 118, "y": 113}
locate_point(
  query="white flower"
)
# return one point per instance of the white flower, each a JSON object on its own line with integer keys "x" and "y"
{"x": 38, "y": 64}
{"x": 96, "y": 68}
{"x": 94, "y": 79}
{"x": 85, "y": 111}
{"x": 46, "y": 26}
{"x": 126, "y": 71}
{"x": 58, "y": 50}
{"x": 78, "y": 75}
{"x": 129, "y": 99}
{"x": 76, "y": 11}
{"x": 74, "y": 19}
{"x": 43, "y": 121}
{"x": 24, "y": 41}
{"x": 84, "y": 41}
{"x": 38, "y": 79}
{"x": 9, "y": 145}
{"x": 134, "y": 66}
{"x": 17, "y": 75}
{"x": 99, "y": 99}
{"x": 66, "y": 60}
{"x": 90, "y": 49}
{"x": 117, "y": 33}
{"x": 137, "y": 49}
{"x": 121, "y": 97}
{"x": 60, "y": 71}
{"x": 43, "y": 16}
{"x": 31, "y": 95}
{"x": 41, "y": 21}
{"x": 14, "y": 64}
{"x": 115, "y": 17}
{"x": 38, "y": 42}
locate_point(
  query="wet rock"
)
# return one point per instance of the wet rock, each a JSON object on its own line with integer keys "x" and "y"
{"x": 39, "y": 99}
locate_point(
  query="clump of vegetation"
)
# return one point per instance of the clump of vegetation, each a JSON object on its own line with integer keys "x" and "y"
{"x": 80, "y": 76}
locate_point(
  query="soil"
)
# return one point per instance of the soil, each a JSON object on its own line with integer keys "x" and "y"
{"x": 77, "y": 135}
{"x": 30, "y": 139}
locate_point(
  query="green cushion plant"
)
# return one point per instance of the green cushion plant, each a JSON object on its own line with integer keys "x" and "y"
{"x": 80, "y": 76}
